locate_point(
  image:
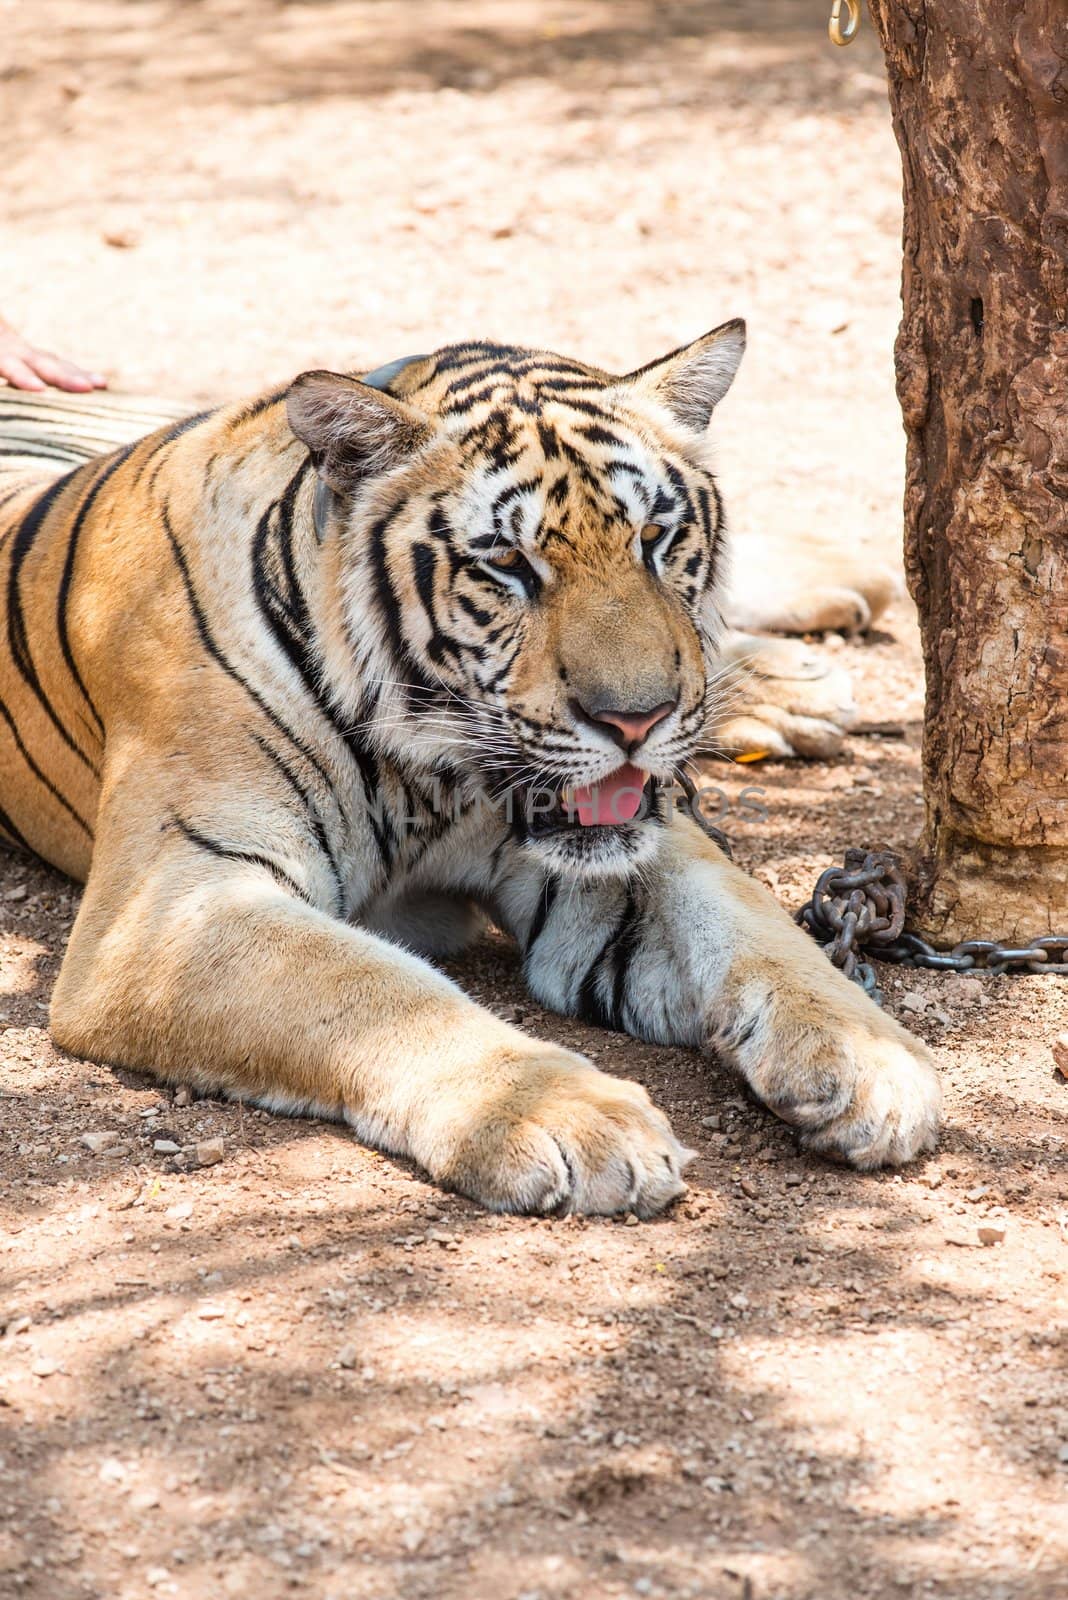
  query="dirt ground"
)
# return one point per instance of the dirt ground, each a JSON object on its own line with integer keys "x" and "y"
{"x": 300, "y": 1369}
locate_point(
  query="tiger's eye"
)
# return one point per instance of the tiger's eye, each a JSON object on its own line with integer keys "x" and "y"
{"x": 650, "y": 534}
{"x": 506, "y": 558}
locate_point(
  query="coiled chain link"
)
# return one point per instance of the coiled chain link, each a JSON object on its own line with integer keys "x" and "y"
{"x": 859, "y": 910}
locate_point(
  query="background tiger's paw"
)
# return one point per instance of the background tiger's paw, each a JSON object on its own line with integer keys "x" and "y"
{"x": 563, "y": 1137}
{"x": 787, "y": 699}
{"x": 861, "y": 1090}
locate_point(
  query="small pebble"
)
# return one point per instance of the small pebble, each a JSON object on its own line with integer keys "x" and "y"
{"x": 165, "y": 1147}
{"x": 19, "y": 892}
{"x": 712, "y": 1123}
{"x": 99, "y": 1142}
{"x": 183, "y": 1097}
{"x": 210, "y": 1312}
{"x": 960, "y": 991}
{"x": 749, "y": 1188}
{"x": 347, "y": 1356}
{"x": 991, "y": 1233}
{"x": 209, "y": 1152}
{"x": 1060, "y": 1054}
{"x": 44, "y": 1367}
{"x": 912, "y": 1000}
{"x": 630, "y": 1220}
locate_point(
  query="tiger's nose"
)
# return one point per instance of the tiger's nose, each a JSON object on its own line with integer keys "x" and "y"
{"x": 627, "y": 728}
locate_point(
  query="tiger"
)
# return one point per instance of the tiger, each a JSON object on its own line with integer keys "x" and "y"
{"x": 310, "y": 688}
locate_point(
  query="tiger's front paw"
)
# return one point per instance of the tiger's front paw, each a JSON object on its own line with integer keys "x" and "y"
{"x": 859, "y": 1087}
{"x": 558, "y": 1136}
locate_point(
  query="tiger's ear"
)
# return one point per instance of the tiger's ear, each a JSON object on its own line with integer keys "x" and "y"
{"x": 354, "y": 432}
{"x": 692, "y": 380}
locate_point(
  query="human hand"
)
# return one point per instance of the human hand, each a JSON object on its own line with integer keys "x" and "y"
{"x": 25, "y": 367}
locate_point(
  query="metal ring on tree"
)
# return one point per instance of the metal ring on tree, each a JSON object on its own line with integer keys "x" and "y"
{"x": 844, "y": 33}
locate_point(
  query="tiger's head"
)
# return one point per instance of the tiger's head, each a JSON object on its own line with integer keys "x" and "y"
{"x": 527, "y": 564}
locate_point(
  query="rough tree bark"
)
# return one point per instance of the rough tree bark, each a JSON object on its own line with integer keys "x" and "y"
{"x": 979, "y": 94}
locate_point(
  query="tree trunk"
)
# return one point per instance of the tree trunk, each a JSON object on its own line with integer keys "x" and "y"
{"x": 979, "y": 94}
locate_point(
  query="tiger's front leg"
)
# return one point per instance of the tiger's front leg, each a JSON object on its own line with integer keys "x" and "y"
{"x": 699, "y": 954}
{"x": 206, "y": 952}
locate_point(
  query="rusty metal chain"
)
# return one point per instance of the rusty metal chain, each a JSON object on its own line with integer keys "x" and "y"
{"x": 859, "y": 910}
{"x": 858, "y": 906}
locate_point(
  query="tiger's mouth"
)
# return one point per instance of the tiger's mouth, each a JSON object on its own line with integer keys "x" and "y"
{"x": 624, "y": 796}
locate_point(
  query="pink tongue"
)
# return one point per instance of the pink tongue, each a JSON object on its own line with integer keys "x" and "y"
{"x": 616, "y": 798}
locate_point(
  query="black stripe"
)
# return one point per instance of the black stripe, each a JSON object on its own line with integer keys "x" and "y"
{"x": 550, "y": 445}
{"x": 183, "y": 425}
{"x": 256, "y": 408}
{"x": 590, "y": 408}
{"x": 590, "y": 1005}
{"x": 542, "y": 912}
{"x": 678, "y": 483}
{"x": 424, "y": 566}
{"x": 628, "y": 938}
{"x": 598, "y": 435}
{"x": 494, "y": 681}
{"x": 511, "y": 492}
{"x": 39, "y": 775}
{"x": 7, "y": 826}
{"x": 68, "y": 573}
{"x": 161, "y": 441}
{"x": 307, "y": 801}
{"x": 298, "y": 604}
{"x": 568, "y": 386}
{"x": 476, "y": 613}
{"x": 582, "y": 466}
{"x": 461, "y": 355}
{"x": 208, "y": 641}
{"x": 251, "y": 857}
{"x": 17, "y": 634}
{"x": 463, "y": 393}
{"x": 389, "y": 611}
{"x": 290, "y": 623}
